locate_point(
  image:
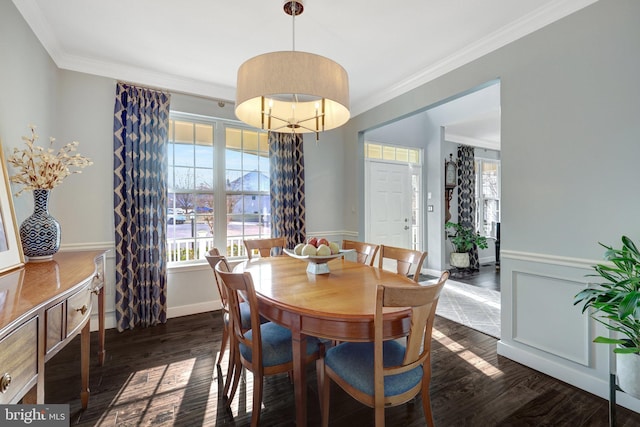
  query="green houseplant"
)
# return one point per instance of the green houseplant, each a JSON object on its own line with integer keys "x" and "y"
{"x": 615, "y": 303}
{"x": 463, "y": 239}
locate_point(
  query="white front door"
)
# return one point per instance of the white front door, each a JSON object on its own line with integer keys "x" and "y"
{"x": 388, "y": 204}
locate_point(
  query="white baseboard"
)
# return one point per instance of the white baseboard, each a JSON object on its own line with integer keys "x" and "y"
{"x": 203, "y": 307}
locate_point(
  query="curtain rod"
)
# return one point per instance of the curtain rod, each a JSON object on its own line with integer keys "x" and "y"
{"x": 165, "y": 90}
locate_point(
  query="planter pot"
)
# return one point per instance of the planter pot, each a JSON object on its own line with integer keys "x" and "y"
{"x": 628, "y": 373}
{"x": 460, "y": 260}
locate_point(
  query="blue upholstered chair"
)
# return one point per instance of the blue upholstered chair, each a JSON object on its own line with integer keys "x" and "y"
{"x": 213, "y": 256}
{"x": 264, "y": 349}
{"x": 386, "y": 373}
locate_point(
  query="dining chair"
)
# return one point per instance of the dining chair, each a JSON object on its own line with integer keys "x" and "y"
{"x": 386, "y": 373}
{"x": 366, "y": 252}
{"x": 405, "y": 259}
{"x": 264, "y": 349}
{"x": 263, "y": 246}
{"x": 213, "y": 256}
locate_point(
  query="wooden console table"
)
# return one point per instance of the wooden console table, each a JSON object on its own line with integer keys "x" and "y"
{"x": 43, "y": 306}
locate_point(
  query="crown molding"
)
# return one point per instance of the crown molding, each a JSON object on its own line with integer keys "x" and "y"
{"x": 528, "y": 24}
{"x": 541, "y": 17}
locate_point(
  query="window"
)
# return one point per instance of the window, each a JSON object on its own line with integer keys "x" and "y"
{"x": 487, "y": 196}
{"x": 218, "y": 186}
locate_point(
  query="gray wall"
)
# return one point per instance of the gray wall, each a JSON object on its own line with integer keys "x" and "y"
{"x": 570, "y": 98}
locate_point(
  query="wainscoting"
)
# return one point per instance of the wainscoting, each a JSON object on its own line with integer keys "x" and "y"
{"x": 542, "y": 329}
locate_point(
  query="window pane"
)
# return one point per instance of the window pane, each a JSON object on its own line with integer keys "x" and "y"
{"x": 249, "y": 161}
{"x": 204, "y": 156}
{"x": 374, "y": 151}
{"x": 233, "y": 180}
{"x": 490, "y": 179}
{"x": 389, "y": 153}
{"x": 184, "y": 154}
{"x": 183, "y": 132}
{"x": 402, "y": 154}
{"x": 414, "y": 156}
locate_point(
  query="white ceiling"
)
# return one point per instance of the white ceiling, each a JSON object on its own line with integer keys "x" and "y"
{"x": 196, "y": 46}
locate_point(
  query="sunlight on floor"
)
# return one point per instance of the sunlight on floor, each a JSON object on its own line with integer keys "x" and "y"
{"x": 170, "y": 382}
{"x": 468, "y": 356}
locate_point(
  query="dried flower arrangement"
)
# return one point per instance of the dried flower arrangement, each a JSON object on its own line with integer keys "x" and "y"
{"x": 43, "y": 168}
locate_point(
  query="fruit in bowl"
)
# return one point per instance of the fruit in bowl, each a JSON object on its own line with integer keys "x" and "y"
{"x": 298, "y": 248}
{"x": 309, "y": 249}
{"x": 335, "y": 249}
{"x": 322, "y": 246}
{"x": 323, "y": 250}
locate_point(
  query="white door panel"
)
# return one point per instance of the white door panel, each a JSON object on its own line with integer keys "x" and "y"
{"x": 389, "y": 204}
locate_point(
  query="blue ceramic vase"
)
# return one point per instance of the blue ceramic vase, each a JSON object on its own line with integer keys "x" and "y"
{"x": 40, "y": 232}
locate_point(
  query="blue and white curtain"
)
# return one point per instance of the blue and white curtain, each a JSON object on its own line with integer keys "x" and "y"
{"x": 286, "y": 162}
{"x": 467, "y": 196}
{"x": 140, "y": 128}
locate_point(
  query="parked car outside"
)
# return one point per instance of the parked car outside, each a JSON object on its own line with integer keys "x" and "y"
{"x": 178, "y": 217}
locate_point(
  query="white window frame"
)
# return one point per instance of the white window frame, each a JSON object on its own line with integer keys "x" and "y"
{"x": 202, "y": 244}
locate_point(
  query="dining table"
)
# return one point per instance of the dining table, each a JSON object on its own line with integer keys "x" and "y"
{"x": 336, "y": 306}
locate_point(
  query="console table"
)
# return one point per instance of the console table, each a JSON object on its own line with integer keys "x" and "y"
{"x": 43, "y": 306}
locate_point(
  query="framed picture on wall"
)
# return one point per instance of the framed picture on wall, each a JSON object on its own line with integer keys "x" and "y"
{"x": 11, "y": 255}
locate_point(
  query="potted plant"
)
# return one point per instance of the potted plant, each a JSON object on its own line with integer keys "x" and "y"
{"x": 463, "y": 239}
{"x": 615, "y": 303}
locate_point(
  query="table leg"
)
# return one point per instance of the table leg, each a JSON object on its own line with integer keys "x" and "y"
{"x": 299, "y": 343}
{"x": 84, "y": 364}
{"x": 101, "y": 350}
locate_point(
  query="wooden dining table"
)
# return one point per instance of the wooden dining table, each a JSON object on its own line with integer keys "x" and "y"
{"x": 338, "y": 306}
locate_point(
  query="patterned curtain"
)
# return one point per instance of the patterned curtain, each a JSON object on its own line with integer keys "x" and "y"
{"x": 140, "y": 129}
{"x": 286, "y": 161}
{"x": 467, "y": 196}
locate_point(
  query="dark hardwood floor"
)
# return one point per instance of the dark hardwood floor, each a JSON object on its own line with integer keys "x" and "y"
{"x": 166, "y": 376}
{"x": 487, "y": 277}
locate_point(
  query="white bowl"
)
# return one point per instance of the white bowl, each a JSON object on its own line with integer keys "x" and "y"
{"x": 317, "y": 264}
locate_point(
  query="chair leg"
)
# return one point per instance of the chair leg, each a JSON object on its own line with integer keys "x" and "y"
{"x": 426, "y": 404}
{"x": 258, "y": 379}
{"x": 236, "y": 377}
{"x": 223, "y": 344}
{"x": 324, "y": 383}
{"x": 379, "y": 416}
{"x": 231, "y": 368}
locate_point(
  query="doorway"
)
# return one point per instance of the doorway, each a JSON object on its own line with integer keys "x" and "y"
{"x": 392, "y": 195}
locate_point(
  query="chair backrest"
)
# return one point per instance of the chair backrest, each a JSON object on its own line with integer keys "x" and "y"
{"x": 366, "y": 252}
{"x": 405, "y": 258}
{"x": 236, "y": 283}
{"x": 213, "y": 257}
{"x": 422, "y": 300}
{"x": 263, "y": 246}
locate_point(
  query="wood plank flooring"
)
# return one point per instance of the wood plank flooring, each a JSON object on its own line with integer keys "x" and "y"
{"x": 166, "y": 376}
{"x": 487, "y": 277}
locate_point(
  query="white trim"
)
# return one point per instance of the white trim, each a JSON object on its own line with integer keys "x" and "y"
{"x": 186, "y": 310}
{"x": 535, "y": 20}
{"x": 548, "y": 259}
